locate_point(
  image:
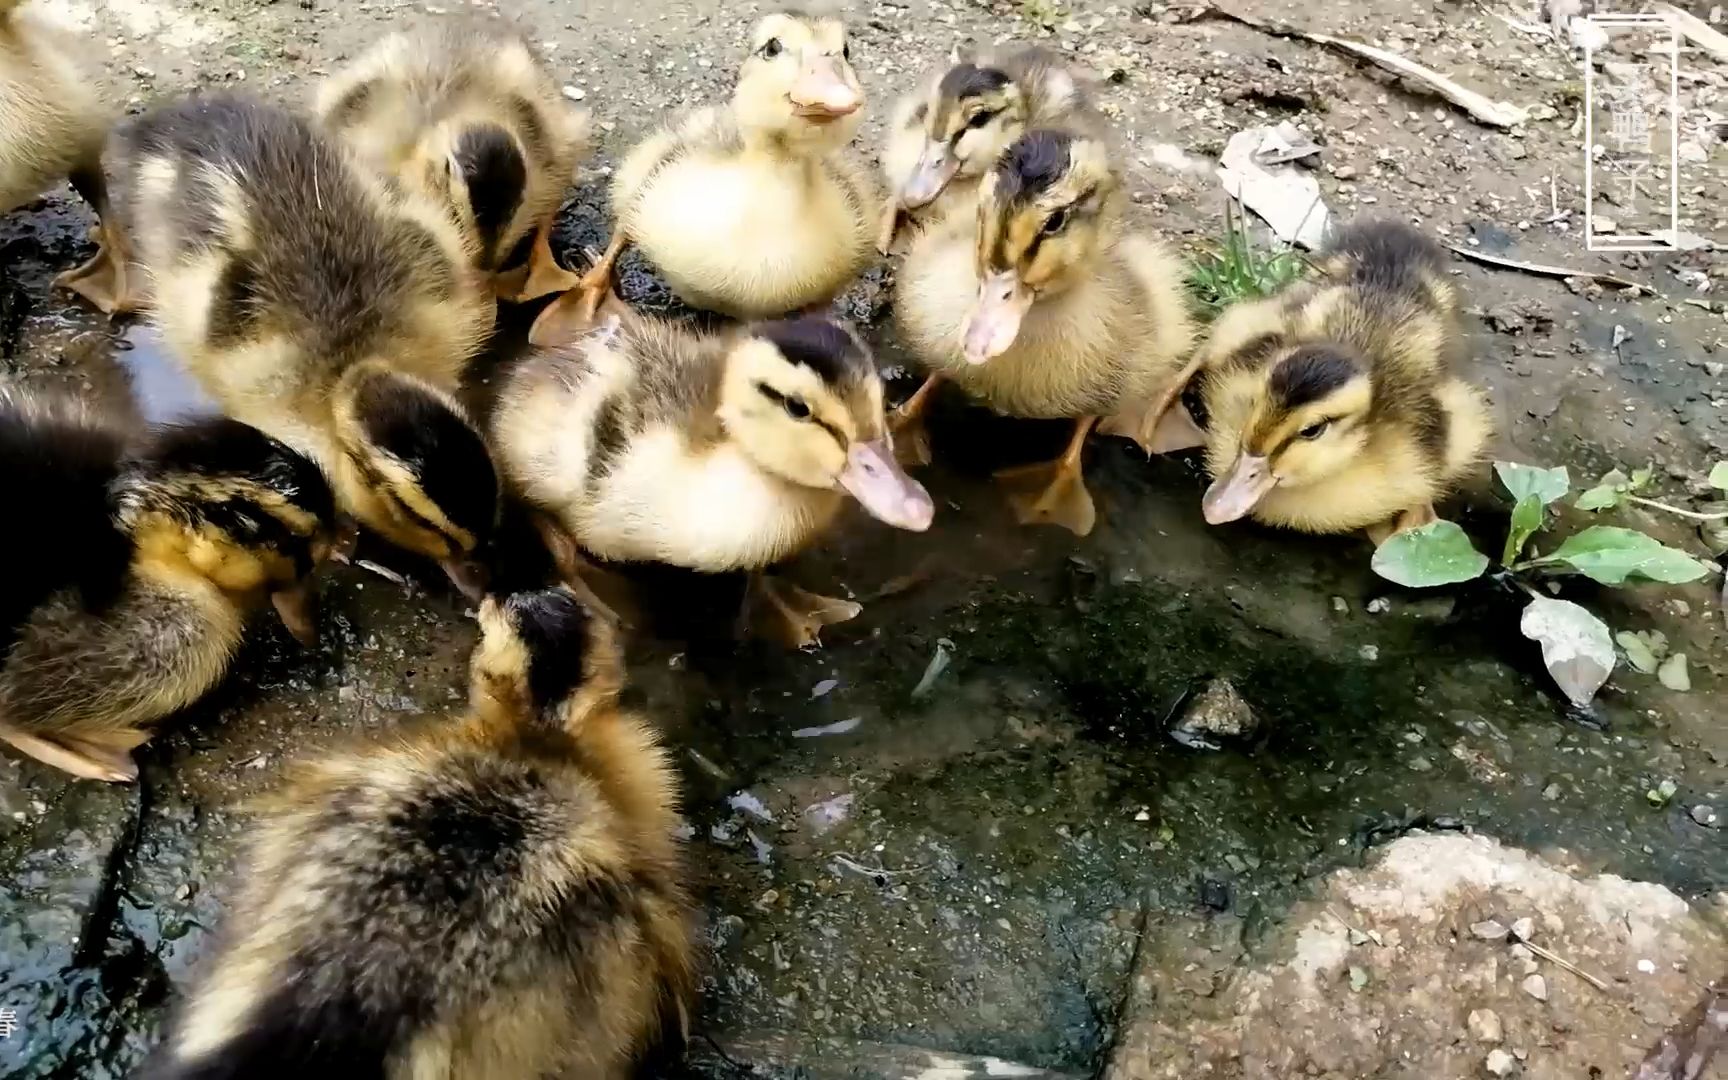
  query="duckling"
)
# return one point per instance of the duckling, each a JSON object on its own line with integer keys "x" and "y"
{"x": 485, "y": 898}
{"x": 1042, "y": 306}
{"x": 137, "y": 570}
{"x": 478, "y": 94}
{"x": 646, "y": 441}
{"x": 944, "y": 138}
{"x": 756, "y": 210}
{"x": 51, "y": 118}
{"x": 317, "y": 304}
{"x": 1334, "y": 406}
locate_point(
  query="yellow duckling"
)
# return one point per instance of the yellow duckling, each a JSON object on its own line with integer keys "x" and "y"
{"x": 758, "y": 209}
{"x": 494, "y": 897}
{"x": 943, "y": 139}
{"x": 1334, "y": 406}
{"x": 476, "y": 94}
{"x": 646, "y": 441}
{"x": 136, "y": 572}
{"x": 51, "y": 117}
{"x": 315, "y": 303}
{"x": 1043, "y": 306}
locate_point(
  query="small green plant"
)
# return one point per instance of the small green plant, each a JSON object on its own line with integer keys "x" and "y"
{"x": 1577, "y": 647}
{"x": 1237, "y": 271}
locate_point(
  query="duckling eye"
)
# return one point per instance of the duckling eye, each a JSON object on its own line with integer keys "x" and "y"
{"x": 1056, "y": 222}
{"x": 980, "y": 118}
{"x": 846, "y": 52}
{"x": 1314, "y": 431}
{"x": 794, "y": 406}
{"x": 770, "y": 48}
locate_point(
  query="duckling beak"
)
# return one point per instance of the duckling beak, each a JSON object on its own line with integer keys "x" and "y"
{"x": 294, "y": 607}
{"x": 468, "y": 575}
{"x": 1232, "y": 496}
{"x": 823, "y": 92}
{"x": 936, "y": 166}
{"x": 881, "y": 486}
{"x": 996, "y": 316}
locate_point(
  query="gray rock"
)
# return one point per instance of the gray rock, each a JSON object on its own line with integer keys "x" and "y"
{"x": 1500, "y": 1063}
{"x": 1536, "y": 986}
{"x": 1485, "y": 1026}
{"x": 1216, "y": 712}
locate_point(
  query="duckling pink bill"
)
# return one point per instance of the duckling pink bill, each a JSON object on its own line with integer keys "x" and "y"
{"x": 823, "y": 92}
{"x": 996, "y": 315}
{"x": 1233, "y": 495}
{"x": 936, "y": 167}
{"x": 883, "y": 489}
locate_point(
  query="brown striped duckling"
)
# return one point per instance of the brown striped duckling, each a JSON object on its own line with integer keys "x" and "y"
{"x": 944, "y": 138}
{"x": 477, "y": 94}
{"x": 136, "y": 571}
{"x": 1044, "y": 305}
{"x": 489, "y": 897}
{"x": 317, "y": 303}
{"x": 647, "y": 441}
{"x": 1336, "y": 405}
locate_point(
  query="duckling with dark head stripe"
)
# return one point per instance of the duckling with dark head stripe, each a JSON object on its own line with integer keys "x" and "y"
{"x": 133, "y": 582}
{"x": 494, "y": 897}
{"x": 944, "y": 138}
{"x": 318, "y": 304}
{"x": 1337, "y": 405}
{"x": 1044, "y": 305}
{"x": 646, "y": 441}
{"x": 475, "y": 93}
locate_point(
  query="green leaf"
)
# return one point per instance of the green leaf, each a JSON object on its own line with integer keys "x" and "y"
{"x": 1719, "y": 475}
{"x": 1576, "y": 646}
{"x": 1601, "y": 497}
{"x": 1437, "y": 553}
{"x": 1525, "y": 480}
{"x": 1527, "y": 517}
{"x": 1643, "y": 649}
{"x": 1641, "y": 478}
{"x": 1608, "y": 491}
{"x": 1673, "y": 673}
{"x": 1612, "y": 555}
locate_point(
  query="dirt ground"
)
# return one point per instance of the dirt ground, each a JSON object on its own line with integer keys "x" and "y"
{"x": 996, "y": 874}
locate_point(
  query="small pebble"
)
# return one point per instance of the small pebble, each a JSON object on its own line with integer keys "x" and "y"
{"x": 1370, "y": 652}
{"x": 1485, "y": 1026}
{"x": 1490, "y": 930}
{"x": 1378, "y": 605}
{"x": 1500, "y": 1063}
{"x": 1340, "y": 605}
{"x": 1525, "y": 929}
{"x": 1705, "y": 815}
{"x": 1536, "y": 986}
{"x": 575, "y": 93}
{"x": 1648, "y": 967}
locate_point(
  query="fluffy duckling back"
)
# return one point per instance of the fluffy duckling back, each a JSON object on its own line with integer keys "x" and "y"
{"x": 1334, "y": 406}
{"x": 137, "y": 571}
{"x": 489, "y": 898}
{"x": 943, "y": 139}
{"x": 51, "y": 117}
{"x": 716, "y": 452}
{"x": 1042, "y": 305}
{"x": 758, "y": 209}
{"x": 477, "y": 94}
{"x": 317, "y": 304}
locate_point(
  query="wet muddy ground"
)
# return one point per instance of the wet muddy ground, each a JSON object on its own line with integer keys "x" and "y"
{"x": 969, "y": 867}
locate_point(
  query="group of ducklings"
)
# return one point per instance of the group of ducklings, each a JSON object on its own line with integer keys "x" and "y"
{"x": 498, "y": 895}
